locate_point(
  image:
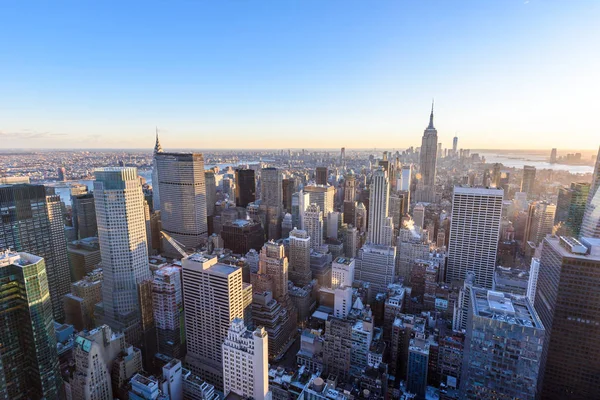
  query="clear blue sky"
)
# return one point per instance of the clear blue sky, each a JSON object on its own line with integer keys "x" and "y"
{"x": 242, "y": 74}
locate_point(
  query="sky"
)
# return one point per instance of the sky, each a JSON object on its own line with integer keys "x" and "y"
{"x": 299, "y": 74}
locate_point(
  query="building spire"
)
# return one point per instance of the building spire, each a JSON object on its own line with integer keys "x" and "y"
{"x": 157, "y": 147}
{"x": 431, "y": 117}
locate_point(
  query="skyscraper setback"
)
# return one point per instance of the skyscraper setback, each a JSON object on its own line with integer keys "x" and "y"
{"x": 428, "y": 160}
{"x": 123, "y": 245}
{"x": 378, "y": 209}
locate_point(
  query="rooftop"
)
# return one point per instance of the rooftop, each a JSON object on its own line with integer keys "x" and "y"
{"x": 507, "y": 308}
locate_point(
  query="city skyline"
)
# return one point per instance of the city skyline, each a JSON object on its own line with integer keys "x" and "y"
{"x": 316, "y": 74}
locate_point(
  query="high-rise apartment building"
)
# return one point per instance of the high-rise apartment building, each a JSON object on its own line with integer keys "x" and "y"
{"x": 504, "y": 333}
{"x": 528, "y": 181}
{"x": 321, "y": 176}
{"x": 428, "y": 156}
{"x": 590, "y": 226}
{"x": 313, "y": 225}
{"x": 567, "y": 302}
{"x": 167, "y": 305}
{"x": 271, "y": 191}
{"x": 245, "y": 189}
{"x": 474, "y": 234}
{"x": 84, "y": 215}
{"x": 378, "y": 208}
{"x": 299, "y": 262}
{"x": 182, "y": 198}
{"x": 32, "y": 222}
{"x": 28, "y": 358}
{"x": 123, "y": 246}
{"x": 245, "y": 362}
{"x": 213, "y": 297}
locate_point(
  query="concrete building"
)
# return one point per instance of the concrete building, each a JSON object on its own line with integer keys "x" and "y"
{"x": 313, "y": 225}
{"x": 406, "y": 178}
{"x": 474, "y": 234}
{"x": 213, "y": 297}
{"x": 342, "y": 272}
{"x": 321, "y": 195}
{"x": 81, "y": 302}
{"x": 272, "y": 273}
{"x": 528, "y": 181}
{"x": 427, "y": 162}
{"x": 271, "y": 191}
{"x": 299, "y": 263}
{"x": 568, "y": 305}
{"x": 245, "y": 362}
{"x": 540, "y": 221}
{"x": 375, "y": 264}
{"x": 167, "y": 306}
{"x": 211, "y": 192}
{"x": 504, "y": 333}
{"x": 123, "y": 246}
{"x": 29, "y": 359}
{"x": 182, "y": 198}
{"x": 84, "y": 256}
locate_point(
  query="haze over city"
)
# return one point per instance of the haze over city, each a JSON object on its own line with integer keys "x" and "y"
{"x": 299, "y": 74}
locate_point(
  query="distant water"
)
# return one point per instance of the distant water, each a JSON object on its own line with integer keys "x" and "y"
{"x": 538, "y": 161}
{"x": 65, "y": 191}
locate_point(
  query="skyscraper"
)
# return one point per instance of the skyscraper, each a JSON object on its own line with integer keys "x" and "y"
{"x": 528, "y": 181}
{"x": 350, "y": 187}
{"x": 32, "y": 222}
{"x": 28, "y": 358}
{"x": 501, "y": 321}
{"x": 84, "y": 215}
{"x": 406, "y": 178}
{"x": 313, "y": 225}
{"x": 553, "y": 156}
{"x": 455, "y": 146}
{"x": 211, "y": 192}
{"x": 289, "y": 188}
{"x": 474, "y": 234}
{"x": 123, "y": 246}
{"x": 571, "y": 206}
{"x": 271, "y": 190}
{"x": 378, "y": 207}
{"x": 375, "y": 264}
{"x": 182, "y": 198}
{"x": 245, "y": 362}
{"x": 299, "y": 265}
{"x": 428, "y": 156}
{"x": 590, "y": 225}
{"x": 321, "y": 176}
{"x": 167, "y": 305}
{"x": 540, "y": 221}
{"x": 212, "y": 294}
{"x": 568, "y": 304}
{"x": 155, "y": 189}
{"x": 245, "y": 189}
{"x": 273, "y": 271}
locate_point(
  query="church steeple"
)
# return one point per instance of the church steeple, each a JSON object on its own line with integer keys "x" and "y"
{"x": 157, "y": 147}
{"x": 431, "y": 117}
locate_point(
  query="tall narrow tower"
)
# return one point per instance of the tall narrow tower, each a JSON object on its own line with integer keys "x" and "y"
{"x": 590, "y": 226}
{"x": 428, "y": 158}
{"x": 123, "y": 246}
{"x": 155, "y": 190}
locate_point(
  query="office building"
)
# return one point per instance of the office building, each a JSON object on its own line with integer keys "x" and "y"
{"x": 342, "y": 272}
{"x": 80, "y": 304}
{"x": 84, "y": 257}
{"x": 32, "y": 222}
{"x": 213, "y": 297}
{"x": 289, "y": 188}
{"x": 182, "y": 199}
{"x": 553, "y": 156}
{"x": 245, "y": 189}
{"x": 540, "y": 221}
{"x": 245, "y": 362}
{"x": 167, "y": 305}
{"x": 405, "y": 178}
{"x": 321, "y": 175}
{"x": 272, "y": 273}
{"x": 155, "y": 189}
{"x": 528, "y": 181}
{"x": 313, "y": 225}
{"x": 378, "y": 208}
{"x": 28, "y": 358}
{"x": 211, "y": 192}
{"x": 271, "y": 190}
{"x": 474, "y": 234}
{"x": 375, "y": 264}
{"x": 123, "y": 247}
{"x": 567, "y": 302}
{"x": 503, "y": 347}
{"x": 428, "y": 155}
{"x": 590, "y": 226}
{"x": 299, "y": 263}
{"x": 350, "y": 187}
{"x": 84, "y": 215}
{"x": 417, "y": 366}
{"x": 277, "y": 318}
{"x": 242, "y": 235}
{"x": 571, "y": 206}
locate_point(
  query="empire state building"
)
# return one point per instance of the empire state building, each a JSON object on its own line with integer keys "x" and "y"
{"x": 429, "y": 147}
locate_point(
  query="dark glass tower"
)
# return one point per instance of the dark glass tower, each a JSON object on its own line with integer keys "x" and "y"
{"x": 32, "y": 222}
{"x": 245, "y": 190}
{"x": 28, "y": 358}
